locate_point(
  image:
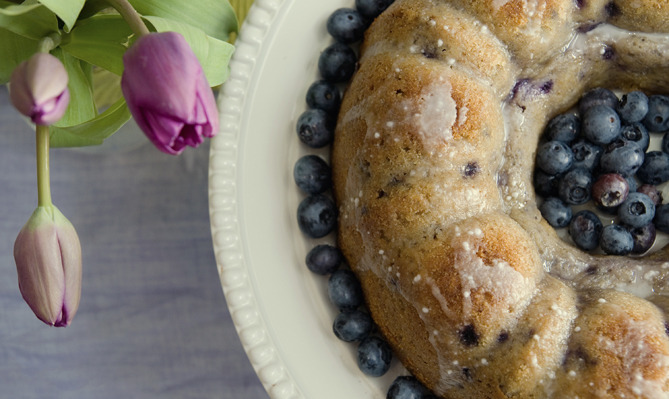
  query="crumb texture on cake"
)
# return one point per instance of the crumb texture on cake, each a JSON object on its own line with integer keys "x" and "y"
{"x": 432, "y": 167}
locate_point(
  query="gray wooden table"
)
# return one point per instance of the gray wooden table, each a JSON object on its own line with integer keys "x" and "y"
{"x": 153, "y": 322}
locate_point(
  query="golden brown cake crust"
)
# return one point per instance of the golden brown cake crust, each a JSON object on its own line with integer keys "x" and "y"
{"x": 432, "y": 168}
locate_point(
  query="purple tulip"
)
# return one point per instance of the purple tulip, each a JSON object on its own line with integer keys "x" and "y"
{"x": 167, "y": 92}
{"x": 38, "y": 88}
{"x": 48, "y": 262}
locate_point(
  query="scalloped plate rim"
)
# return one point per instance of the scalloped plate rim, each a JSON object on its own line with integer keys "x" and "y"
{"x": 312, "y": 363}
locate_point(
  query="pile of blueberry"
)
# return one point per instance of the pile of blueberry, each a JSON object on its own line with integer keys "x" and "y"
{"x": 600, "y": 156}
{"x": 317, "y": 212}
{"x": 353, "y": 323}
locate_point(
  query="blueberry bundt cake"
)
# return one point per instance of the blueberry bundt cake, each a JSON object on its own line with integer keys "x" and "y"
{"x": 432, "y": 165}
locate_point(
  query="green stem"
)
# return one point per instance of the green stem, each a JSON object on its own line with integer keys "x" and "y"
{"x": 48, "y": 43}
{"x": 43, "y": 179}
{"x": 130, "y": 16}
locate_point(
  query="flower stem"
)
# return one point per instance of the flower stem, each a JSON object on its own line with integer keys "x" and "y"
{"x": 130, "y": 16}
{"x": 42, "y": 153}
{"x": 48, "y": 43}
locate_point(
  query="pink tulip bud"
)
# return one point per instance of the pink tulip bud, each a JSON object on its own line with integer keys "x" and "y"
{"x": 167, "y": 92}
{"x": 38, "y": 88}
{"x": 48, "y": 262}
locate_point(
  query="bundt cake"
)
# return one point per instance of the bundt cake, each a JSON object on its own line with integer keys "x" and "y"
{"x": 432, "y": 166}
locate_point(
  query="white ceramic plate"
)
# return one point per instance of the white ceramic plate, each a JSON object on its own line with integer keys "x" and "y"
{"x": 280, "y": 309}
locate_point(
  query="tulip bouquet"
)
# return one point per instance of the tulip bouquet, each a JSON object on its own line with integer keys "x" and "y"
{"x": 166, "y": 53}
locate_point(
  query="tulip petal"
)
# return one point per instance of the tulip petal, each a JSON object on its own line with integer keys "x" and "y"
{"x": 167, "y": 92}
{"x": 51, "y": 111}
{"x": 199, "y": 113}
{"x": 191, "y": 135}
{"x": 161, "y": 73}
{"x": 19, "y": 94}
{"x": 38, "y": 267}
{"x": 48, "y": 263}
{"x": 164, "y": 132}
{"x": 38, "y": 89}
{"x": 70, "y": 251}
{"x": 206, "y": 104}
{"x": 45, "y": 76}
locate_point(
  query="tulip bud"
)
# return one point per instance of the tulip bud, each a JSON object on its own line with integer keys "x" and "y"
{"x": 167, "y": 92}
{"x": 38, "y": 88}
{"x": 48, "y": 262}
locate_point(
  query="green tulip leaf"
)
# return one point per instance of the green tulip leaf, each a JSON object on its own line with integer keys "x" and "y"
{"x": 81, "y": 107}
{"x": 241, "y": 8}
{"x": 215, "y": 17}
{"x": 93, "y": 7}
{"x": 15, "y": 49}
{"x": 66, "y": 10}
{"x": 94, "y": 131}
{"x": 33, "y": 21}
{"x": 100, "y": 40}
{"x": 213, "y": 54}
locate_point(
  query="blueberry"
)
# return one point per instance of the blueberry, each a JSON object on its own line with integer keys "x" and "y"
{"x": 636, "y": 133}
{"x": 407, "y": 387}
{"x": 315, "y": 128}
{"x": 374, "y": 356}
{"x": 324, "y": 95}
{"x": 616, "y": 240}
{"x": 371, "y": 9}
{"x": 575, "y": 187}
{"x": 643, "y": 238}
{"x": 557, "y": 213}
{"x": 610, "y": 190}
{"x": 564, "y": 128}
{"x": 312, "y": 174}
{"x": 585, "y": 229}
{"x": 662, "y": 218}
{"x": 337, "y": 63}
{"x": 586, "y": 155}
{"x": 601, "y": 124}
{"x": 633, "y": 106}
{"x": 655, "y": 168}
{"x": 597, "y": 96}
{"x": 352, "y": 325}
{"x": 344, "y": 290}
{"x": 623, "y": 157}
{"x": 468, "y": 335}
{"x": 317, "y": 215}
{"x": 324, "y": 259}
{"x": 544, "y": 184}
{"x": 632, "y": 182}
{"x": 346, "y": 25}
{"x": 658, "y": 113}
{"x": 651, "y": 191}
{"x": 637, "y": 211}
{"x": 554, "y": 157}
